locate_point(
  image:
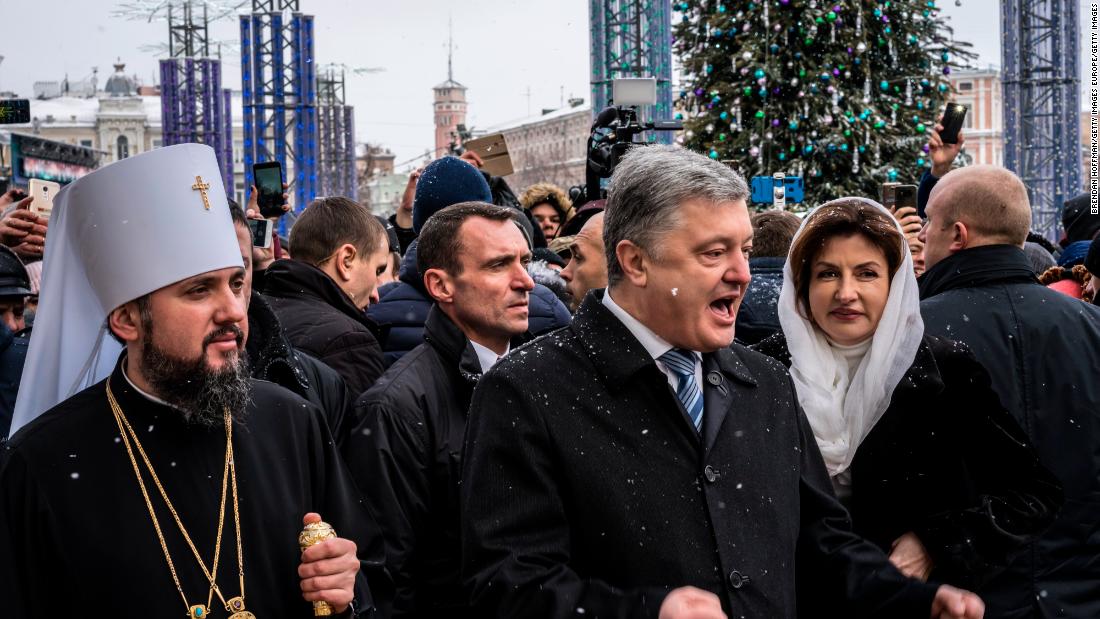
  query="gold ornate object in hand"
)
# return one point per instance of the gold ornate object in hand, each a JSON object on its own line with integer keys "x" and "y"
{"x": 314, "y": 533}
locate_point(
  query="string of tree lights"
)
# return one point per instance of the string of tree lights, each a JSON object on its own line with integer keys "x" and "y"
{"x": 839, "y": 92}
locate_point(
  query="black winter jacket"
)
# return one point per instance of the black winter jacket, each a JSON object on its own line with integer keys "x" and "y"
{"x": 948, "y": 463}
{"x": 319, "y": 319}
{"x": 758, "y": 316}
{"x": 586, "y": 486}
{"x": 1042, "y": 349}
{"x": 406, "y": 455}
{"x": 405, "y": 236}
{"x": 273, "y": 359}
{"x": 13, "y": 355}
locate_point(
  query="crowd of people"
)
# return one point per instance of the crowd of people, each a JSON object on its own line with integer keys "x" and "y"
{"x": 658, "y": 404}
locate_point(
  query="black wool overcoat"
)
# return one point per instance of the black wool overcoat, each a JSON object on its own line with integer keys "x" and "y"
{"x": 1042, "y": 349}
{"x": 587, "y": 490}
{"x": 947, "y": 462}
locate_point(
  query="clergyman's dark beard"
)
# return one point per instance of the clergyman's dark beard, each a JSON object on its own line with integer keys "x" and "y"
{"x": 201, "y": 394}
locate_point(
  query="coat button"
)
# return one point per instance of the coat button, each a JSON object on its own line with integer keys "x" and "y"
{"x": 714, "y": 378}
{"x": 711, "y": 474}
{"x": 738, "y": 580}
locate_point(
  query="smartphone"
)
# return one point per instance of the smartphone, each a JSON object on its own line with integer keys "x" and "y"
{"x": 43, "y": 193}
{"x": 268, "y": 178}
{"x": 15, "y": 111}
{"x": 888, "y": 194}
{"x": 905, "y": 195}
{"x": 952, "y": 122}
{"x": 261, "y": 232}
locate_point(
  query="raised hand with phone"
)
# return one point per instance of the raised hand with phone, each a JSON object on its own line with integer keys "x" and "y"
{"x": 263, "y": 250}
{"x": 23, "y": 230}
{"x": 946, "y": 139}
{"x": 269, "y": 189}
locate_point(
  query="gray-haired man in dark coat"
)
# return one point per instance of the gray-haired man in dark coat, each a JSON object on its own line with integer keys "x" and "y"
{"x": 633, "y": 464}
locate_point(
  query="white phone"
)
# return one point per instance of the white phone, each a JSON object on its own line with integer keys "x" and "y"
{"x": 43, "y": 193}
{"x": 261, "y": 232}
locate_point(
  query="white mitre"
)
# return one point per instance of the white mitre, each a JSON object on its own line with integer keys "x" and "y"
{"x": 123, "y": 231}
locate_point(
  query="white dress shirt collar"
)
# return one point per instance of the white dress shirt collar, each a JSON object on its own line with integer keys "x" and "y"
{"x": 486, "y": 357}
{"x": 653, "y": 343}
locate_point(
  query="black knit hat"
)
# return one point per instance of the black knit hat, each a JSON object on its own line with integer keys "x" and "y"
{"x": 14, "y": 281}
{"x": 1078, "y": 221}
{"x": 544, "y": 254}
{"x": 447, "y": 181}
{"x": 581, "y": 217}
{"x": 391, "y": 233}
{"x": 1092, "y": 261}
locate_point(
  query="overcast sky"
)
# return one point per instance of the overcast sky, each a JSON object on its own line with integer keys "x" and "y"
{"x": 503, "y": 50}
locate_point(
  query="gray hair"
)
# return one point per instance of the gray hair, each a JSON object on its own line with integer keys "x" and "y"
{"x": 648, "y": 187}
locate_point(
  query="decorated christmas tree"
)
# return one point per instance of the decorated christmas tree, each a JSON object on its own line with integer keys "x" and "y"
{"x": 840, "y": 93}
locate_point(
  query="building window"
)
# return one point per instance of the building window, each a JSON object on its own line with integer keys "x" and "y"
{"x": 123, "y": 148}
{"x": 158, "y": 142}
{"x": 86, "y": 143}
{"x": 966, "y": 86}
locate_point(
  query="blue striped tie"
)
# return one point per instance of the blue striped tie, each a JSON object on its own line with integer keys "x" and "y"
{"x": 682, "y": 364}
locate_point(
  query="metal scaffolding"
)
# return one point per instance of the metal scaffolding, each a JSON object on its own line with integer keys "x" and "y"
{"x": 1041, "y": 107}
{"x": 632, "y": 38}
{"x": 194, "y": 107}
{"x": 279, "y": 97}
{"x": 336, "y": 137}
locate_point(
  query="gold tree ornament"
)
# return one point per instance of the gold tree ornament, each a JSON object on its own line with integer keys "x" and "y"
{"x": 312, "y": 534}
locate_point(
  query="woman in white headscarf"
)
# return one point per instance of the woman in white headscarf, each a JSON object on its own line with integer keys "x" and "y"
{"x": 919, "y": 448}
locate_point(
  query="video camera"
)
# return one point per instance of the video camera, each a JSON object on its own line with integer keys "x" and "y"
{"x": 615, "y": 131}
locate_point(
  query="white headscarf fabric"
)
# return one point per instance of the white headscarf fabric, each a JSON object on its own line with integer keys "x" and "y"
{"x": 843, "y": 409}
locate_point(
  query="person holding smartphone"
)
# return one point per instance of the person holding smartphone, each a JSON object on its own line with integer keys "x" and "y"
{"x": 262, "y": 257}
{"x": 942, "y": 154}
{"x": 20, "y": 229}
{"x": 402, "y": 219}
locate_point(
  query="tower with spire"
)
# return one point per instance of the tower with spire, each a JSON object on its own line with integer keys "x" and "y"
{"x": 450, "y": 104}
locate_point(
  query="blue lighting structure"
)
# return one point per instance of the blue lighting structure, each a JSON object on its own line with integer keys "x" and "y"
{"x": 1041, "y": 106}
{"x": 279, "y": 97}
{"x": 632, "y": 38}
{"x": 194, "y": 106}
{"x": 335, "y": 136}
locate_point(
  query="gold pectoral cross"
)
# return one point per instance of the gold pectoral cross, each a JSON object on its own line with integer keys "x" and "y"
{"x": 202, "y": 187}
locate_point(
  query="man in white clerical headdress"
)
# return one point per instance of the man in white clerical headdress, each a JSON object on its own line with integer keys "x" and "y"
{"x": 146, "y": 470}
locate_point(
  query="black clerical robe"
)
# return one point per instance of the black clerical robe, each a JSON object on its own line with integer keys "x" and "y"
{"x": 76, "y": 538}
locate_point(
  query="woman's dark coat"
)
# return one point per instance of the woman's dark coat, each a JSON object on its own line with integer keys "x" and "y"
{"x": 947, "y": 462}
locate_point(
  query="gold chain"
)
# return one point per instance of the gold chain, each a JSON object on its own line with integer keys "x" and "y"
{"x": 229, "y": 474}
